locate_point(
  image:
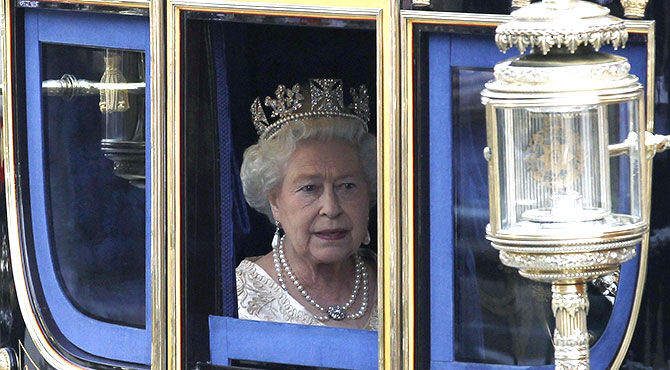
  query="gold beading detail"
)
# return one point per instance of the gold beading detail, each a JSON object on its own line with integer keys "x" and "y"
{"x": 551, "y": 262}
{"x": 508, "y": 36}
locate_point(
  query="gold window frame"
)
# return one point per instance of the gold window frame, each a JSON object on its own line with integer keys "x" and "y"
{"x": 113, "y": 3}
{"x": 385, "y": 14}
{"x": 410, "y": 18}
{"x": 14, "y": 214}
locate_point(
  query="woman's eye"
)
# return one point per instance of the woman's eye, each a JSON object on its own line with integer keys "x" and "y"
{"x": 349, "y": 185}
{"x": 307, "y": 188}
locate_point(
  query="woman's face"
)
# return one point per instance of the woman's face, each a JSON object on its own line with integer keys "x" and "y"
{"x": 323, "y": 201}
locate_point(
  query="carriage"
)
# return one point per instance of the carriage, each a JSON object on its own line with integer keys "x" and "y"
{"x": 124, "y": 126}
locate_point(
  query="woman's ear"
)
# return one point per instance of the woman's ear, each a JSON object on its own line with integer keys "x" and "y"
{"x": 272, "y": 198}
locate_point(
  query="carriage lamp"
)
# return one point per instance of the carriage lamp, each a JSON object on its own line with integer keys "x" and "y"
{"x": 122, "y": 105}
{"x": 567, "y": 156}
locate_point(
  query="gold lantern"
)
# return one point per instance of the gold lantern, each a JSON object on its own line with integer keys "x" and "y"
{"x": 567, "y": 158}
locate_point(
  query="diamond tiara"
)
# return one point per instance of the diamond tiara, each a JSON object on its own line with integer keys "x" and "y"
{"x": 326, "y": 99}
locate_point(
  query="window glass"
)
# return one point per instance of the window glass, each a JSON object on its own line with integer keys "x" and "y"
{"x": 93, "y": 117}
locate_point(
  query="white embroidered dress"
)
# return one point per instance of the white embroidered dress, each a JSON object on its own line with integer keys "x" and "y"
{"x": 261, "y": 298}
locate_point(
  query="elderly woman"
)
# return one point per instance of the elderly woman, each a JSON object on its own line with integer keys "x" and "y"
{"x": 313, "y": 173}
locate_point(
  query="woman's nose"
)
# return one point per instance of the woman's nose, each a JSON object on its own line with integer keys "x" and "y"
{"x": 330, "y": 204}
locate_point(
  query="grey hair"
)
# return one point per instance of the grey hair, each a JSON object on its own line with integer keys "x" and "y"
{"x": 264, "y": 162}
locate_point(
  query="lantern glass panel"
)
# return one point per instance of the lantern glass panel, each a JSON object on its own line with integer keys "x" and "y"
{"x": 556, "y": 168}
{"x": 626, "y": 186}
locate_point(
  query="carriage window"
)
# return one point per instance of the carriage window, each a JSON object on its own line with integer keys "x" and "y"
{"x": 93, "y": 118}
{"x": 311, "y": 68}
{"x": 83, "y": 173}
{"x": 495, "y": 315}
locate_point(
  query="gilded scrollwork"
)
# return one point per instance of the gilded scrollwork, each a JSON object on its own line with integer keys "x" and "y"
{"x": 543, "y": 26}
{"x": 563, "y": 342}
{"x": 571, "y": 38}
{"x": 569, "y": 248}
{"x": 570, "y": 306}
{"x": 634, "y": 8}
{"x": 573, "y": 261}
{"x": 515, "y": 75}
{"x": 571, "y": 351}
{"x": 573, "y": 365}
{"x": 571, "y": 303}
{"x": 548, "y": 277}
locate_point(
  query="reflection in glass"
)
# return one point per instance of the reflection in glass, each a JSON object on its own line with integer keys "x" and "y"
{"x": 97, "y": 218}
{"x": 501, "y": 317}
{"x": 123, "y": 141}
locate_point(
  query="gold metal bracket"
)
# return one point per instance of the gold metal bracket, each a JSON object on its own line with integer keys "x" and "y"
{"x": 623, "y": 147}
{"x": 656, "y": 143}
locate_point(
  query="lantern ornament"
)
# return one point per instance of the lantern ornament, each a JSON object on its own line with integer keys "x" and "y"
{"x": 634, "y": 8}
{"x": 123, "y": 140}
{"x": 567, "y": 157}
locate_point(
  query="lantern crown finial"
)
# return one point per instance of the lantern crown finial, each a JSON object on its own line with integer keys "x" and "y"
{"x": 561, "y": 24}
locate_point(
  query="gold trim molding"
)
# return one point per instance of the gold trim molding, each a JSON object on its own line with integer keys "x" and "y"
{"x": 159, "y": 317}
{"x": 113, "y": 3}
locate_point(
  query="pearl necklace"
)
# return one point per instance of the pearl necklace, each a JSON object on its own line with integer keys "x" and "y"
{"x": 335, "y": 312}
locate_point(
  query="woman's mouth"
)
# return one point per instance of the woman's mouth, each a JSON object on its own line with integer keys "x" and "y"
{"x": 331, "y": 234}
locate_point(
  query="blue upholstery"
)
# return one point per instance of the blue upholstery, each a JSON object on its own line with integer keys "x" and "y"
{"x": 291, "y": 344}
{"x": 441, "y": 201}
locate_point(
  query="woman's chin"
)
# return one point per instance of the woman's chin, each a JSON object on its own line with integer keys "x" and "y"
{"x": 345, "y": 242}
{"x": 329, "y": 253}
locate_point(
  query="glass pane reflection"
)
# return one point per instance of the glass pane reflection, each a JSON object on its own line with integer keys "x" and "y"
{"x": 97, "y": 215}
{"x": 500, "y": 317}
